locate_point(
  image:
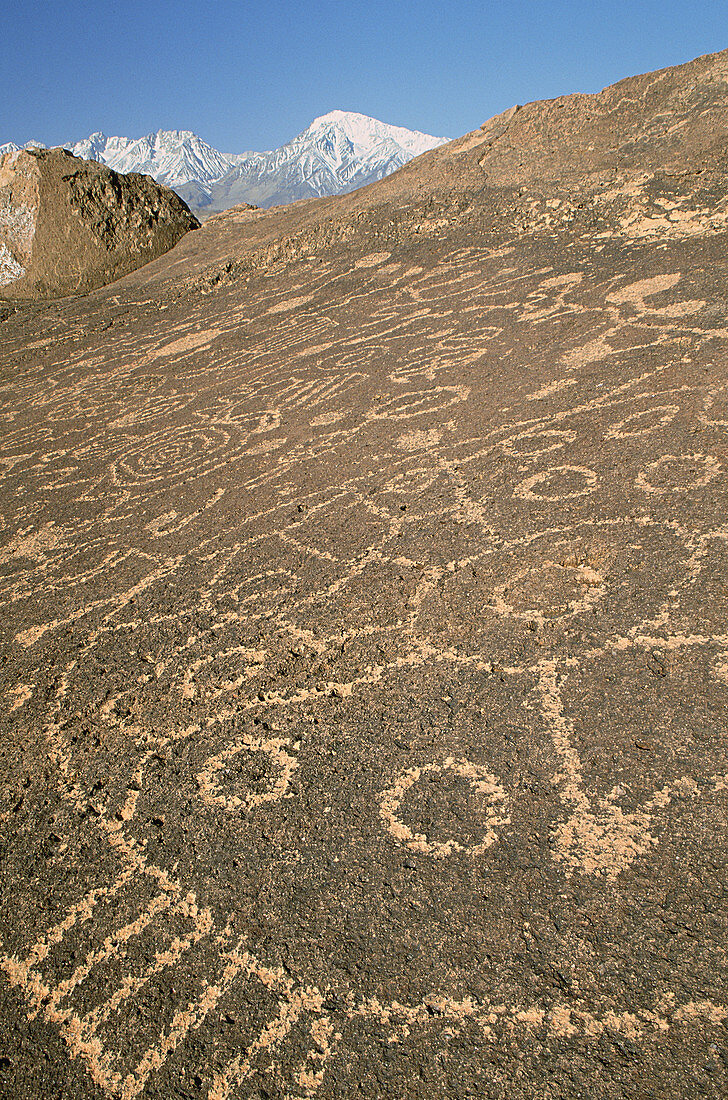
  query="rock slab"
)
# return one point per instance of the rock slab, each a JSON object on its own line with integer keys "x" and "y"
{"x": 364, "y": 636}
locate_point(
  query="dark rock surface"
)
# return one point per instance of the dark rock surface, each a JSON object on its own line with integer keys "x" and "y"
{"x": 68, "y": 225}
{"x": 366, "y": 636}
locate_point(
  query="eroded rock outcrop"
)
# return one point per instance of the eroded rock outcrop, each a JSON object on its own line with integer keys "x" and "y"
{"x": 69, "y": 225}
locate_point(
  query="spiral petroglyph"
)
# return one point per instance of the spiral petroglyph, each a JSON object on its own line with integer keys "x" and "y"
{"x": 174, "y": 455}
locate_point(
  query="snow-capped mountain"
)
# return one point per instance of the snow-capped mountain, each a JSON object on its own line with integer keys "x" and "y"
{"x": 338, "y": 152}
{"x": 11, "y": 147}
{"x": 177, "y": 158}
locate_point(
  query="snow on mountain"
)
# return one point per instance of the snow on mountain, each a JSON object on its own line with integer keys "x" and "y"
{"x": 338, "y": 152}
{"x": 11, "y": 147}
{"x": 171, "y": 156}
{"x": 100, "y": 147}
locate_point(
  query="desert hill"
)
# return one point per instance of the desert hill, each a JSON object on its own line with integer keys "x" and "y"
{"x": 69, "y": 225}
{"x": 366, "y": 636}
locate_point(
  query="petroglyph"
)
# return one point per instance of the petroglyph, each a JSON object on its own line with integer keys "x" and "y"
{"x": 210, "y": 778}
{"x": 489, "y": 815}
{"x": 558, "y": 483}
{"x": 365, "y": 710}
{"x": 597, "y": 837}
{"x": 678, "y": 473}
{"x": 644, "y": 422}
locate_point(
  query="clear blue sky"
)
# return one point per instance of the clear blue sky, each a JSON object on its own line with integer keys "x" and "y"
{"x": 249, "y": 75}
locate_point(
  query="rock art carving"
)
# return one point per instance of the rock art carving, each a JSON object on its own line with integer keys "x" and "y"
{"x": 364, "y": 721}
{"x": 483, "y": 784}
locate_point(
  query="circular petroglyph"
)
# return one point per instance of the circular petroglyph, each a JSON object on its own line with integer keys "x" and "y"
{"x": 237, "y": 415}
{"x": 678, "y": 473}
{"x": 225, "y": 775}
{"x": 418, "y": 402}
{"x": 643, "y": 422}
{"x": 536, "y": 442}
{"x": 150, "y": 410}
{"x": 324, "y": 419}
{"x": 471, "y": 794}
{"x": 557, "y": 484}
{"x": 610, "y": 574}
{"x": 373, "y": 259}
{"x": 223, "y": 672}
{"x": 190, "y": 342}
{"x": 551, "y": 590}
{"x": 289, "y": 304}
{"x": 409, "y": 483}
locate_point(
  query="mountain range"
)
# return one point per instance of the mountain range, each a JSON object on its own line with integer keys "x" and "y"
{"x": 340, "y": 151}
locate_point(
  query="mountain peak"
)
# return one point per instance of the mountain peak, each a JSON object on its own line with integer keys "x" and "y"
{"x": 174, "y": 135}
{"x": 340, "y": 117}
{"x": 364, "y": 128}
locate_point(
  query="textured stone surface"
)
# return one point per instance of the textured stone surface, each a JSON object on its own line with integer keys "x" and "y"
{"x": 69, "y": 225}
{"x": 364, "y": 606}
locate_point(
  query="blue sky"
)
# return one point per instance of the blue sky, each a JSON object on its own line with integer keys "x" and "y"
{"x": 249, "y": 75}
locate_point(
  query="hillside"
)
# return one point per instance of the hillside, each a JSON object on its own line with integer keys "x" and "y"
{"x": 364, "y": 606}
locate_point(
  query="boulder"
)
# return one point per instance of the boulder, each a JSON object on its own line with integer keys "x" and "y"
{"x": 68, "y": 226}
